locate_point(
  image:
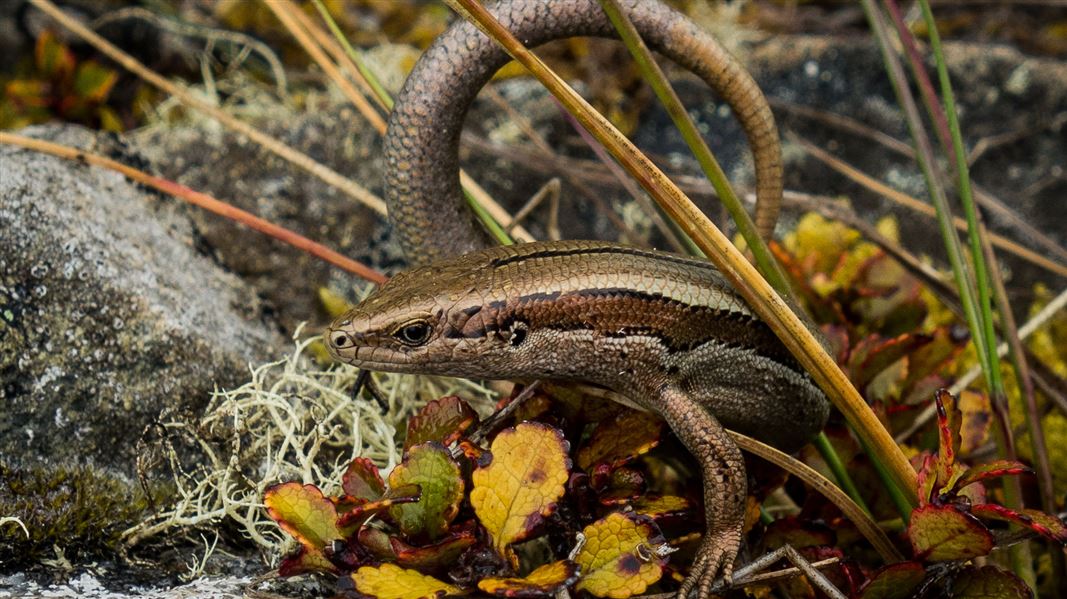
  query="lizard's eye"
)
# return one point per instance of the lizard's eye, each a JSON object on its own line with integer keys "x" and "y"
{"x": 415, "y": 332}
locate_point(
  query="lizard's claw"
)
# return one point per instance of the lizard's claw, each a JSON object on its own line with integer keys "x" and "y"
{"x": 716, "y": 556}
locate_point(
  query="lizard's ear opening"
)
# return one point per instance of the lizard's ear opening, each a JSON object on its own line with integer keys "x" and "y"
{"x": 414, "y": 332}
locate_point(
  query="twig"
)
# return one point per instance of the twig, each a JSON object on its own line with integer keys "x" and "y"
{"x": 271, "y": 144}
{"x": 915, "y": 205}
{"x": 202, "y": 31}
{"x": 1057, "y": 304}
{"x": 202, "y": 200}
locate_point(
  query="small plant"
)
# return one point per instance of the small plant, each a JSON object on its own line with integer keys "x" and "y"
{"x": 59, "y": 86}
{"x": 461, "y": 515}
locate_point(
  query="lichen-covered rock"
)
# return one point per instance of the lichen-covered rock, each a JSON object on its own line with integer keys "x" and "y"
{"x": 108, "y": 312}
{"x": 197, "y": 154}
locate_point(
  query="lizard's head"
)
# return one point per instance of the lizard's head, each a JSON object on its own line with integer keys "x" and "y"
{"x": 432, "y": 320}
{"x": 395, "y": 326}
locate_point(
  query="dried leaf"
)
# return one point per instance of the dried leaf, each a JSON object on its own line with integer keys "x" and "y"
{"x": 542, "y": 582}
{"x": 620, "y": 439}
{"x": 976, "y": 419}
{"x": 942, "y": 533}
{"x": 522, "y": 483}
{"x": 619, "y": 557}
{"x": 363, "y": 480}
{"x": 988, "y": 582}
{"x": 442, "y": 420}
{"x": 431, "y": 467}
{"x": 389, "y": 581}
{"x": 895, "y": 581}
{"x": 663, "y": 507}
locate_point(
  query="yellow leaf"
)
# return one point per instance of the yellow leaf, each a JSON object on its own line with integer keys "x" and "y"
{"x": 522, "y": 483}
{"x": 389, "y": 581}
{"x": 619, "y": 559}
{"x": 542, "y": 582}
{"x": 302, "y": 511}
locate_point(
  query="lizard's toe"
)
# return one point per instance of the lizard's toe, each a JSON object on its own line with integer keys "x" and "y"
{"x": 715, "y": 557}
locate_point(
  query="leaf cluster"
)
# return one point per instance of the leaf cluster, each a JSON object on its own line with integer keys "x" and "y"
{"x": 58, "y": 85}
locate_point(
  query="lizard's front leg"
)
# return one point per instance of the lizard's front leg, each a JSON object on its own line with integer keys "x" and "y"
{"x": 725, "y": 486}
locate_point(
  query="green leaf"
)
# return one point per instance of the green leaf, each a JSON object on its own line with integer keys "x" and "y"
{"x": 93, "y": 82}
{"x": 431, "y": 467}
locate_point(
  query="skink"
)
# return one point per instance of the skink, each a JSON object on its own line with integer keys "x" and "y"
{"x": 665, "y": 331}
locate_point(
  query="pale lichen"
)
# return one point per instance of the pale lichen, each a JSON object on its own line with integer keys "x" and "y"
{"x": 292, "y": 421}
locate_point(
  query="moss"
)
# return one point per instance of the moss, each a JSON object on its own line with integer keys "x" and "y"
{"x": 75, "y": 508}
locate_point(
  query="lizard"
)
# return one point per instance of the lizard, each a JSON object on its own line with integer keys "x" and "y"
{"x": 664, "y": 331}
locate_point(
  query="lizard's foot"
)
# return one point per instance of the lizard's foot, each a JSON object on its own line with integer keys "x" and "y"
{"x": 715, "y": 557}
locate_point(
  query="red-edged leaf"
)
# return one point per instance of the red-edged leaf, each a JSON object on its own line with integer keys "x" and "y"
{"x": 545, "y": 581}
{"x": 927, "y": 479}
{"x": 362, "y": 479}
{"x": 988, "y": 470}
{"x": 988, "y": 582}
{"x": 303, "y": 561}
{"x": 948, "y": 427}
{"x": 873, "y": 355}
{"x": 430, "y": 466}
{"x": 358, "y": 514}
{"x": 895, "y": 581}
{"x": 942, "y": 533}
{"x": 377, "y": 542}
{"x": 302, "y": 511}
{"x": 443, "y": 420}
{"x": 93, "y": 82}
{"x": 1046, "y": 525}
{"x": 441, "y": 554}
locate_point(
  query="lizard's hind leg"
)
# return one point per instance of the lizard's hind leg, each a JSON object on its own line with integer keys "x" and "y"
{"x": 725, "y": 486}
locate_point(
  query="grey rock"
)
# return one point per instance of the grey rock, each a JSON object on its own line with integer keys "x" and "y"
{"x": 108, "y": 312}
{"x": 199, "y": 155}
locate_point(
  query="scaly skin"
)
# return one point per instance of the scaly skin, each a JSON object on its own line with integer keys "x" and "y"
{"x": 665, "y": 331}
{"x": 422, "y": 143}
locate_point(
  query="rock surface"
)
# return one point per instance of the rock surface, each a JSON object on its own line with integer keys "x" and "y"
{"x": 108, "y": 312}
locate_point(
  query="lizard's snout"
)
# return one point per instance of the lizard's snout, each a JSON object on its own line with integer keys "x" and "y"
{"x": 340, "y": 343}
